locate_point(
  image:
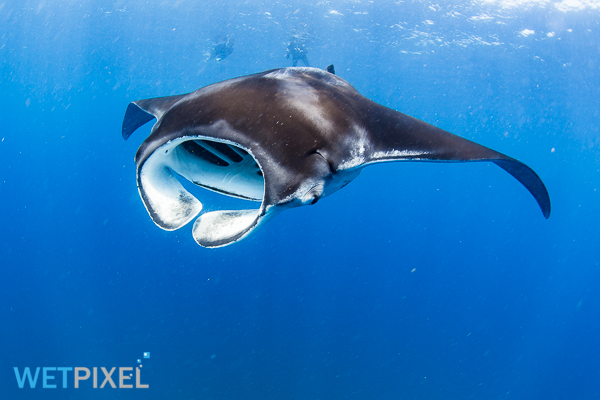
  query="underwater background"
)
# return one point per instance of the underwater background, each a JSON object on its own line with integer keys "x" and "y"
{"x": 416, "y": 281}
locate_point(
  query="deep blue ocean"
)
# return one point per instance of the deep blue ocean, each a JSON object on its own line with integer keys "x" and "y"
{"x": 416, "y": 281}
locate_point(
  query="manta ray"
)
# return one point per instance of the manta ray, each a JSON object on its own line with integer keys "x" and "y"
{"x": 282, "y": 138}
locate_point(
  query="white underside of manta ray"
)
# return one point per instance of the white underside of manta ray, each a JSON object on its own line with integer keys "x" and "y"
{"x": 282, "y": 138}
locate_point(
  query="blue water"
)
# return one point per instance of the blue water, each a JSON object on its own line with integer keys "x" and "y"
{"x": 416, "y": 281}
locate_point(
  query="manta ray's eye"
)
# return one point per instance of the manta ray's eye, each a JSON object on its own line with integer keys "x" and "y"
{"x": 314, "y": 201}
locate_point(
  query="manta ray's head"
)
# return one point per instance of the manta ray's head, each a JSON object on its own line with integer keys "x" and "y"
{"x": 229, "y": 169}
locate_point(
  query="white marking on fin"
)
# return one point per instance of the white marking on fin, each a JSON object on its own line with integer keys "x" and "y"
{"x": 359, "y": 149}
{"x": 399, "y": 154}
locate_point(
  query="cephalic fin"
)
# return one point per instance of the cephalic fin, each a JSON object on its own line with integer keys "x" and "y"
{"x": 141, "y": 111}
{"x": 220, "y": 228}
{"x": 169, "y": 204}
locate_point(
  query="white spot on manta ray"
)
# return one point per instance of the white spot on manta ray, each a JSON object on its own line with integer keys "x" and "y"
{"x": 305, "y": 99}
{"x": 292, "y": 74}
{"x": 215, "y": 87}
{"x": 357, "y": 154}
{"x": 358, "y": 157}
{"x": 398, "y": 154}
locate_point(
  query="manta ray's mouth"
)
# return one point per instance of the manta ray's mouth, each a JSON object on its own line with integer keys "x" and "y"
{"x": 221, "y": 167}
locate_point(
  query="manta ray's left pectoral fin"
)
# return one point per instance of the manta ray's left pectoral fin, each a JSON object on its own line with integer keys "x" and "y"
{"x": 529, "y": 179}
{"x": 399, "y": 137}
